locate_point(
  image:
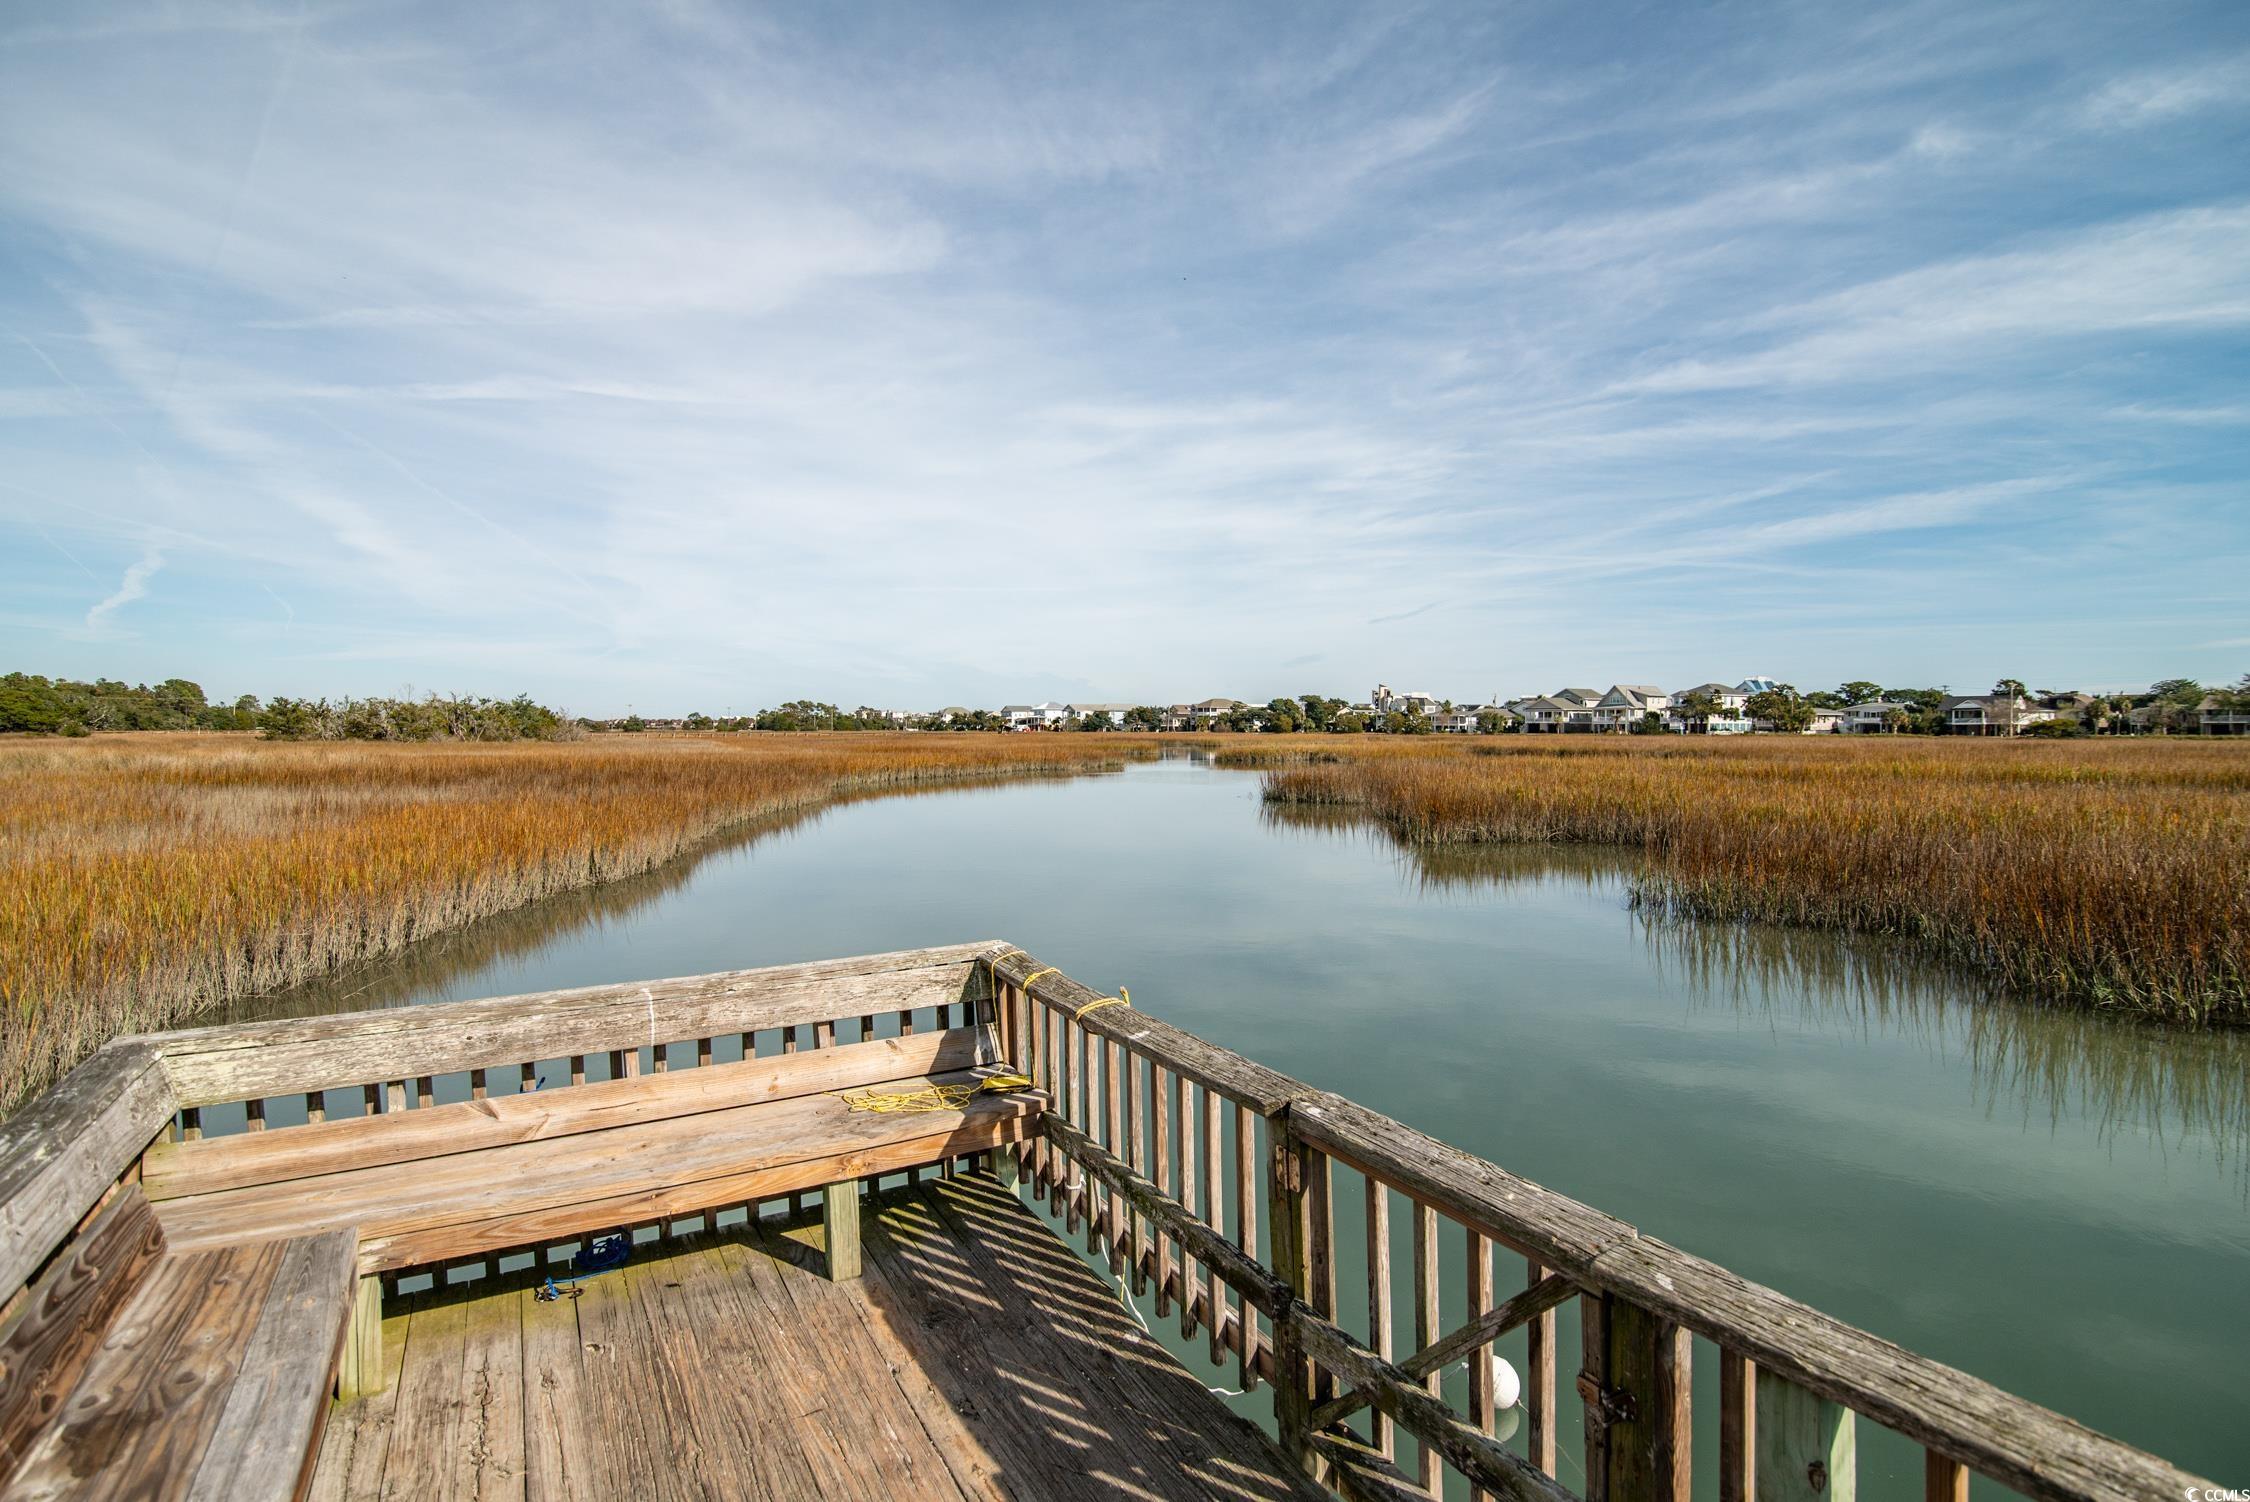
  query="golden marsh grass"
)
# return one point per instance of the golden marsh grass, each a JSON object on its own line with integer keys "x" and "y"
{"x": 143, "y": 878}
{"x": 2115, "y": 873}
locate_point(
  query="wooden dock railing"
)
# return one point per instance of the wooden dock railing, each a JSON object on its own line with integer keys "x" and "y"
{"x": 1149, "y": 1129}
{"x": 1202, "y": 1178}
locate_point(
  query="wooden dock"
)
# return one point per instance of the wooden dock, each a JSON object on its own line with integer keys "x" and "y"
{"x": 976, "y": 1358}
{"x": 252, "y": 1262}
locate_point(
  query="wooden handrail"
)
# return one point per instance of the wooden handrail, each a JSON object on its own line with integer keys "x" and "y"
{"x": 1961, "y": 1420}
{"x": 61, "y": 1153}
{"x": 243, "y": 1061}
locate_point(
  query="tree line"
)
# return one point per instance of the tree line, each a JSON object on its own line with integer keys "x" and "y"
{"x": 36, "y": 705}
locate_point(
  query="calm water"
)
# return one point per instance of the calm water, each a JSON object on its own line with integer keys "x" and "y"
{"x": 2055, "y": 1203}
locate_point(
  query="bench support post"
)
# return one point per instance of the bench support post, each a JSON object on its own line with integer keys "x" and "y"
{"x": 361, "y": 1373}
{"x": 839, "y": 1217}
{"x": 1007, "y": 1168}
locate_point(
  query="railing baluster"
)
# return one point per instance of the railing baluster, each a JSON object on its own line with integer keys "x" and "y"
{"x": 425, "y": 1091}
{"x": 1074, "y": 1092}
{"x": 394, "y": 1095}
{"x": 527, "y": 1078}
{"x": 578, "y": 1067}
{"x": 1539, "y": 1382}
{"x": 1593, "y": 1341}
{"x": 1320, "y": 1250}
{"x": 1738, "y": 1429}
{"x": 476, "y": 1084}
{"x": 1113, "y": 1093}
{"x": 254, "y": 1115}
{"x": 1428, "y": 1326}
{"x": 1943, "y": 1479}
{"x": 1482, "y": 1412}
{"x": 1215, "y": 1216}
{"x": 191, "y": 1124}
{"x": 1136, "y": 1158}
{"x": 1183, "y": 1134}
{"x": 1090, "y": 1122}
{"x": 703, "y": 1053}
{"x": 316, "y": 1106}
{"x": 370, "y": 1099}
{"x": 1379, "y": 1298}
{"x": 1160, "y": 1119}
{"x": 1246, "y": 1195}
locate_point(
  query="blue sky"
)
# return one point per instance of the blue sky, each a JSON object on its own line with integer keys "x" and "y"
{"x": 696, "y": 355}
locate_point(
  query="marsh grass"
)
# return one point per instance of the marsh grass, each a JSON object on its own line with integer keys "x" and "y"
{"x": 146, "y": 878}
{"x": 2107, "y": 873}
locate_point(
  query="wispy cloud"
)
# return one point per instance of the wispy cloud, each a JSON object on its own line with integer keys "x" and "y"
{"x": 697, "y": 353}
{"x": 132, "y": 586}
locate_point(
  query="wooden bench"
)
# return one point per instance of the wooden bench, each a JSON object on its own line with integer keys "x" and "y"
{"x": 437, "y": 1183}
{"x": 135, "y": 1370}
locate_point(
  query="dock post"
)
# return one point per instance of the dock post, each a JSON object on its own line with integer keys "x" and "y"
{"x": 1007, "y": 1168}
{"x": 1807, "y": 1446}
{"x": 839, "y": 1219}
{"x": 1649, "y": 1435}
{"x": 361, "y": 1372}
{"x": 1289, "y": 1214}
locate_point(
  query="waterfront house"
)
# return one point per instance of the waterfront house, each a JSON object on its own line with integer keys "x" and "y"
{"x": 1992, "y": 714}
{"x": 1114, "y": 713}
{"x": 1872, "y": 717}
{"x": 1727, "y": 719}
{"x": 1034, "y": 716}
{"x": 2222, "y": 717}
{"x": 1627, "y": 704}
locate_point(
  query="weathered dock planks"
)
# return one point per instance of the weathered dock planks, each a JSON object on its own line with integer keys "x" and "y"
{"x": 977, "y": 1359}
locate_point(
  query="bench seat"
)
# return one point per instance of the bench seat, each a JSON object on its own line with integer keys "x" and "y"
{"x": 210, "y": 1379}
{"x": 440, "y": 1182}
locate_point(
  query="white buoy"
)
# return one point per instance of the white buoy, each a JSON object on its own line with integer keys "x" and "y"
{"x": 1507, "y": 1387}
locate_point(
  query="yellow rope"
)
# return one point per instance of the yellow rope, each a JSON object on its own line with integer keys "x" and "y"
{"x": 933, "y": 1097}
{"x": 1123, "y": 998}
{"x": 1034, "y": 975}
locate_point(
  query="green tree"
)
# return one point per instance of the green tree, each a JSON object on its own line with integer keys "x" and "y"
{"x": 1782, "y": 708}
{"x": 1859, "y": 691}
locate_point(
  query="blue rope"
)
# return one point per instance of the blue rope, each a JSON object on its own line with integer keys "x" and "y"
{"x": 602, "y": 1256}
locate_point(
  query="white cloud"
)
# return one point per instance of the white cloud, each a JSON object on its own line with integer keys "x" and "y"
{"x": 133, "y": 586}
{"x": 2150, "y": 98}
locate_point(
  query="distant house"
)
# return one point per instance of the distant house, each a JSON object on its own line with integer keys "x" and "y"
{"x": 1751, "y": 686}
{"x": 1034, "y": 716}
{"x": 1385, "y": 701}
{"x": 2214, "y": 717}
{"x": 1627, "y": 704}
{"x": 1566, "y": 709}
{"x": 1201, "y": 715}
{"x": 1455, "y": 721}
{"x": 1872, "y": 717}
{"x": 1114, "y": 713}
{"x": 1992, "y": 714}
{"x": 1726, "y": 719}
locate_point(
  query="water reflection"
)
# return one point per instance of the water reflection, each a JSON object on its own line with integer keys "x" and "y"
{"x": 2186, "y": 1090}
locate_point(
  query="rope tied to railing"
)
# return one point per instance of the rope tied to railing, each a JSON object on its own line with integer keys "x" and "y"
{"x": 933, "y": 1097}
{"x": 1123, "y": 998}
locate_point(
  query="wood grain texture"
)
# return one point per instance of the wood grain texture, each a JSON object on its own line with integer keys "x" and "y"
{"x": 60, "y": 1154}
{"x": 412, "y": 1213}
{"x": 268, "y": 1430}
{"x": 976, "y": 1358}
{"x": 238, "y": 1061}
{"x": 175, "y": 1170}
{"x": 67, "y": 1314}
{"x": 211, "y": 1383}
